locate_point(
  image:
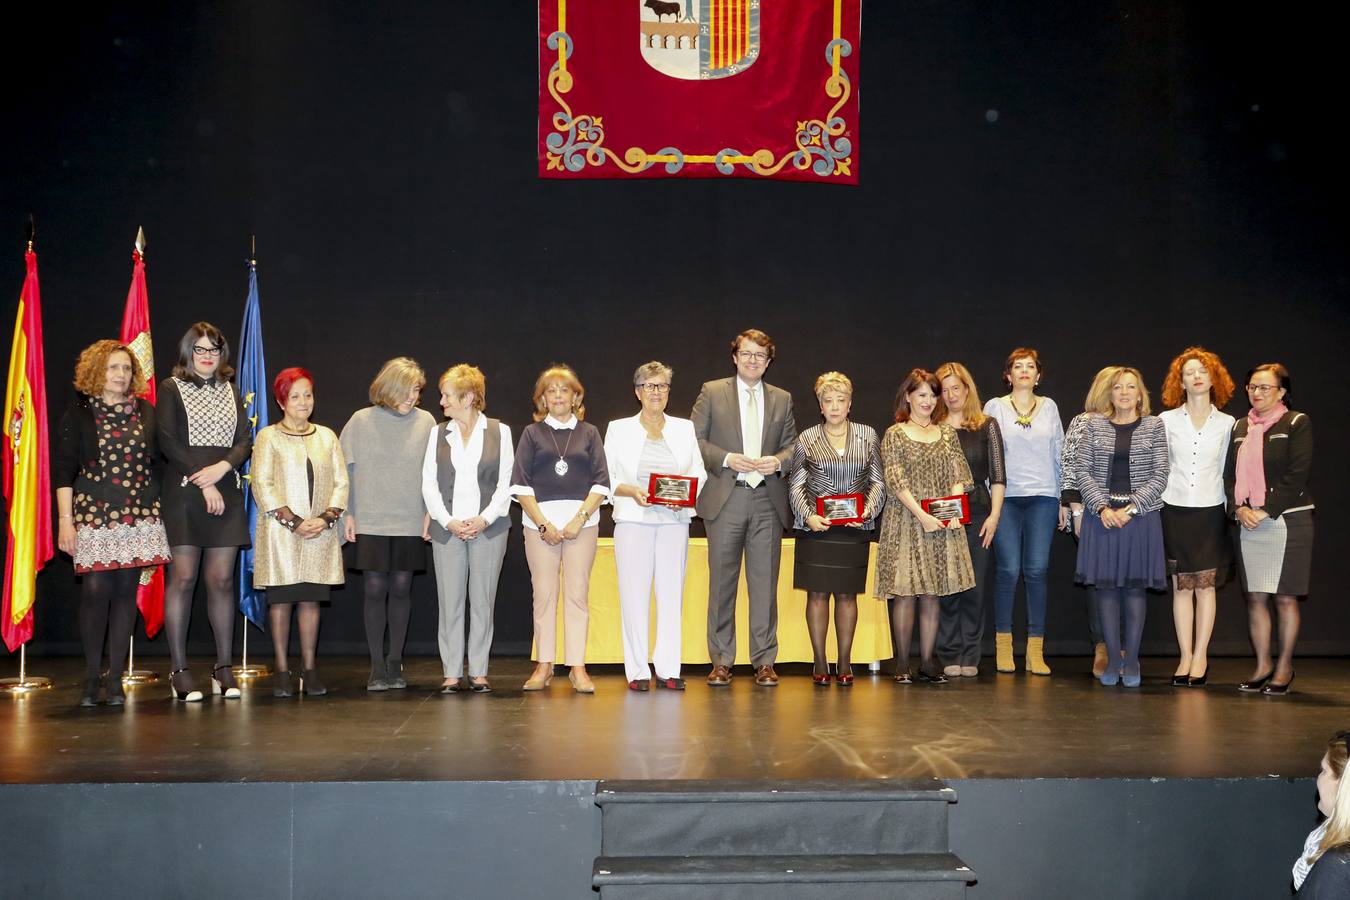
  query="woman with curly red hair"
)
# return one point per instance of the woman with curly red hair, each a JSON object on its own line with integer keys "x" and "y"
{"x": 1195, "y": 529}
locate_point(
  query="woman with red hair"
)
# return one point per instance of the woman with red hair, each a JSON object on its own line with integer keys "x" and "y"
{"x": 299, "y": 481}
{"x": 1195, "y": 529}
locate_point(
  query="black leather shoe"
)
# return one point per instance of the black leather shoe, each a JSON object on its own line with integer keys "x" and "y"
{"x": 1180, "y": 680}
{"x": 931, "y": 677}
{"x": 1278, "y": 690}
{"x": 116, "y": 696}
{"x": 89, "y": 697}
{"x": 1255, "y": 686}
{"x": 310, "y": 683}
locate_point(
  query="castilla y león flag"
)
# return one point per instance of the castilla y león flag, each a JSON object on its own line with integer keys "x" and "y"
{"x": 699, "y": 89}
{"x": 27, "y": 477}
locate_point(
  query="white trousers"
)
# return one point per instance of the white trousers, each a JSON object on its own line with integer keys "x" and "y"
{"x": 645, "y": 554}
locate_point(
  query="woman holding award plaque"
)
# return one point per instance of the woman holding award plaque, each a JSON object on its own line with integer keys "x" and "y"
{"x": 560, "y": 479}
{"x": 1120, "y": 468}
{"x": 922, "y": 554}
{"x": 656, "y": 470}
{"x": 836, "y": 490}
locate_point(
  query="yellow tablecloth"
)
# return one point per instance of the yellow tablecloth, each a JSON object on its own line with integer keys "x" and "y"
{"x": 604, "y": 644}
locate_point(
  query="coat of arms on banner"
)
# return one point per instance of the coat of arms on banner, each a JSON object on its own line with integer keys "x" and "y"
{"x": 699, "y": 88}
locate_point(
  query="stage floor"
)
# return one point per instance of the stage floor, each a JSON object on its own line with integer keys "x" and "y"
{"x": 1065, "y": 726}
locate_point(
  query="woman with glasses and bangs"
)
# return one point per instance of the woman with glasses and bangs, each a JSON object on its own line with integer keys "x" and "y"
{"x": 651, "y": 539}
{"x": 204, "y": 434}
{"x": 1266, "y": 476}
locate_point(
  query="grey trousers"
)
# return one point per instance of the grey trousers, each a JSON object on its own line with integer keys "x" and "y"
{"x": 961, "y": 626}
{"x": 467, "y": 569}
{"x": 747, "y": 525}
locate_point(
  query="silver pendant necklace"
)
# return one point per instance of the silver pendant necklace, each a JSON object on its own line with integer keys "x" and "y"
{"x": 561, "y": 465}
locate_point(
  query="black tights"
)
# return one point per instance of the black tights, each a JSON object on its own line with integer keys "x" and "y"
{"x": 1133, "y": 602}
{"x": 397, "y": 586}
{"x": 221, "y": 604}
{"x": 818, "y": 625}
{"x": 902, "y": 630}
{"x": 107, "y": 604}
{"x": 279, "y": 619}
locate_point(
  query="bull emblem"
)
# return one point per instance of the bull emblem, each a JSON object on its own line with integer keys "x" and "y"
{"x": 699, "y": 39}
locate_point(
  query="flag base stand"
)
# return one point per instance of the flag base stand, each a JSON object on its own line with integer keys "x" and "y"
{"x": 244, "y": 670}
{"x": 25, "y": 683}
{"x": 134, "y": 675}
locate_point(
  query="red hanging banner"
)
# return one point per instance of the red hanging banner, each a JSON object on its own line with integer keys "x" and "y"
{"x": 699, "y": 89}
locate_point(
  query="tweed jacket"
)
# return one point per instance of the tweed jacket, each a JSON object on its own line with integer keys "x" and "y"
{"x": 1090, "y": 464}
{"x": 1287, "y": 461}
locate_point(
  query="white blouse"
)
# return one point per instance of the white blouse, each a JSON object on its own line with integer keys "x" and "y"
{"x": 1196, "y": 457}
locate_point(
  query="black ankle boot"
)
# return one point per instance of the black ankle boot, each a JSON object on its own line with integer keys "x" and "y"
{"x": 89, "y": 697}
{"x": 394, "y": 674}
{"x": 310, "y": 683}
{"x": 378, "y": 681}
{"x": 113, "y": 683}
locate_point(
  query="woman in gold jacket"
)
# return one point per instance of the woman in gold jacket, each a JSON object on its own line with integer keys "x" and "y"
{"x": 299, "y": 481}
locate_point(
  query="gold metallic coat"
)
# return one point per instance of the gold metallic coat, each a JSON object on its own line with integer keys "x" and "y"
{"x": 278, "y": 478}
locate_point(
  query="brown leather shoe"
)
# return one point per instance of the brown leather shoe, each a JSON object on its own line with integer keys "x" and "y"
{"x": 765, "y": 676}
{"x": 720, "y": 676}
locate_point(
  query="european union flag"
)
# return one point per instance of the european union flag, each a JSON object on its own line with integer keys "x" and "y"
{"x": 253, "y": 387}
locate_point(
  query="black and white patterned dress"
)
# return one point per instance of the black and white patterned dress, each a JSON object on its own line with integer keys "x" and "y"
{"x": 201, "y": 423}
{"x": 115, "y": 497}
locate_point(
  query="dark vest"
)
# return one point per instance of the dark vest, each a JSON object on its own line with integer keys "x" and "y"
{"x": 489, "y": 467}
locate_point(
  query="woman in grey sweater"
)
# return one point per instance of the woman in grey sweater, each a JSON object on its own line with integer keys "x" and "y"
{"x": 386, "y": 517}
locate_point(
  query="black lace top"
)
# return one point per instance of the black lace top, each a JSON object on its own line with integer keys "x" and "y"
{"x": 983, "y": 449}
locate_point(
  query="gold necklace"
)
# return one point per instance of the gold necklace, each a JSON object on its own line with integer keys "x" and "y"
{"x": 1023, "y": 419}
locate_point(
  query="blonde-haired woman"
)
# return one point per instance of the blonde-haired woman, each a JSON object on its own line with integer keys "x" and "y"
{"x": 1322, "y": 870}
{"x": 1121, "y": 469}
{"x": 560, "y": 479}
{"x": 1195, "y": 523}
{"x": 651, "y": 541}
{"x": 107, "y": 502}
{"x": 466, "y": 483}
{"x": 1098, "y": 397}
{"x": 961, "y": 627}
{"x": 835, "y": 457}
{"x": 384, "y": 445}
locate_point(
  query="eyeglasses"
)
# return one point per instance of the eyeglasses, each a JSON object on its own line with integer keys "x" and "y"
{"x": 206, "y": 351}
{"x": 1262, "y": 388}
{"x": 750, "y": 356}
{"x": 653, "y": 388}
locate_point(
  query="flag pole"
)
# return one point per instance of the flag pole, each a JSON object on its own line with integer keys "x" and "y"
{"x": 244, "y": 670}
{"x": 134, "y": 675}
{"x": 25, "y": 683}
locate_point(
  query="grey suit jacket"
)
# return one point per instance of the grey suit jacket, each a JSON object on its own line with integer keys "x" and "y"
{"x": 717, "y": 425}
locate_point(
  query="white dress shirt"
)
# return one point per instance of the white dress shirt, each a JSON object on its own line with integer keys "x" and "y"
{"x": 743, "y": 392}
{"x": 1196, "y": 458}
{"x": 467, "y": 500}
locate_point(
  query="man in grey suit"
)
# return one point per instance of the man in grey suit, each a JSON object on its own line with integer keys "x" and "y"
{"x": 746, "y": 433}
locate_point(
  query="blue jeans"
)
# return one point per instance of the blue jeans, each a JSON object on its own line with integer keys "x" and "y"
{"x": 1022, "y": 548}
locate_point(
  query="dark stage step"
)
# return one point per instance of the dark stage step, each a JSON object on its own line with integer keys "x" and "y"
{"x": 904, "y": 876}
{"x": 780, "y": 840}
{"x": 677, "y": 818}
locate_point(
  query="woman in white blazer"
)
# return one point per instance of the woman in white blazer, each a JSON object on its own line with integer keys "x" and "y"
{"x": 651, "y": 540}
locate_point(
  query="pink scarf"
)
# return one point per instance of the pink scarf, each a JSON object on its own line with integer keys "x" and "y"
{"x": 1251, "y": 471}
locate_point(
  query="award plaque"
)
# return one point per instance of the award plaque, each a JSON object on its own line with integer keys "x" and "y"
{"x": 840, "y": 509}
{"x": 945, "y": 509}
{"x": 672, "y": 490}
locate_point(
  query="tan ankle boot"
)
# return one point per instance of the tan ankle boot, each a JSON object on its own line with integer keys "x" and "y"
{"x": 1003, "y": 658}
{"x": 1035, "y": 661}
{"x": 1099, "y": 660}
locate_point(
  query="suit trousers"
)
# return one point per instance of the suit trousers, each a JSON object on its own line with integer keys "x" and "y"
{"x": 574, "y": 558}
{"x": 961, "y": 626}
{"x": 747, "y": 525}
{"x": 467, "y": 570}
{"x": 644, "y": 553}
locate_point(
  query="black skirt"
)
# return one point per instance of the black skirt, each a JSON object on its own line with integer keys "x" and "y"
{"x": 187, "y": 522}
{"x": 1196, "y": 539}
{"x": 832, "y": 562}
{"x": 385, "y": 553}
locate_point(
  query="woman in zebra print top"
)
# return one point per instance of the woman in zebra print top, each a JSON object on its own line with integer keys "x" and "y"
{"x": 834, "y": 457}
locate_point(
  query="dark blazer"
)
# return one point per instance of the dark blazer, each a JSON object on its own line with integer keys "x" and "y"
{"x": 1286, "y": 454}
{"x": 717, "y": 425}
{"x": 77, "y": 440}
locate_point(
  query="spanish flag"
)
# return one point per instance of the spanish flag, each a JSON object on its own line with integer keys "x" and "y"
{"x": 27, "y": 475}
{"x": 136, "y": 335}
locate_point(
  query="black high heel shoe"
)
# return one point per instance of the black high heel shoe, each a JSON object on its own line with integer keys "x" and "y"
{"x": 310, "y": 683}
{"x": 281, "y": 684}
{"x": 1255, "y": 686}
{"x": 1278, "y": 690}
{"x": 1180, "y": 680}
{"x": 187, "y": 693}
{"x": 89, "y": 697}
{"x": 113, "y": 685}
{"x": 224, "y": 684}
